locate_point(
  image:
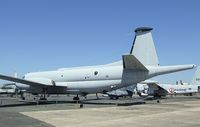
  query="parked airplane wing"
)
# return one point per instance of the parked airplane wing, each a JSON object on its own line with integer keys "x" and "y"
{"x": 149, "y": 82}
{"x": 22, "y": 81}
{"x": 131, "y": 62}
{"x": 9, "y": 84}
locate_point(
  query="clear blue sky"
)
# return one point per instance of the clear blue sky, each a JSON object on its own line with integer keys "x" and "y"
{"x": 48, "y": 34}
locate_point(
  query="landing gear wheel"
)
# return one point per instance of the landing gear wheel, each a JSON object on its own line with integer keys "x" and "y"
{"x": 22, "y": 96}
{"x": 81, "y": 105}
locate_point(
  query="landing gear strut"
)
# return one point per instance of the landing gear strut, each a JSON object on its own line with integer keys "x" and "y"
{"x": 43, "y": 97}
{"x": 97, "y": 96}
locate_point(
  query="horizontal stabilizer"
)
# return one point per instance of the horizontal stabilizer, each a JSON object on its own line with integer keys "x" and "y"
{"x": 154, "y": 71}
{"x": 131, "y": 62}
{"x": 149, "y": 82}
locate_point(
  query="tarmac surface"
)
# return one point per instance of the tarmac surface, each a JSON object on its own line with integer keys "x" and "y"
{"x": 179, "y": 111}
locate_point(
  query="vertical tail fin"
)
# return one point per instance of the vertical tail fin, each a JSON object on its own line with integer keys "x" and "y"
{"x": 196, "y": 78}
{"x": 143, "y": 47}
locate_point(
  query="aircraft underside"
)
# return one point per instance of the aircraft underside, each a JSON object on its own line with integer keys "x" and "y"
{"x": 81, "y": 88}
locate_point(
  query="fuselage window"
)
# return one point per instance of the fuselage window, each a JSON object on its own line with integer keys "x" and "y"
{"x": 96, "y": 73}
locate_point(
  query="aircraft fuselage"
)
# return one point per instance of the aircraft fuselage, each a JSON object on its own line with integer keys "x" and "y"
{"x": 94, "y": 79}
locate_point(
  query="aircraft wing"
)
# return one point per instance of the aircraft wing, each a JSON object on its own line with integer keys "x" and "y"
{"x": 153, "y": 85}
{"x": 131, "y": 62}
{"x": 9, "y": 84}
{"x": 149, "y": 82}
{"x": 22, "y": 81}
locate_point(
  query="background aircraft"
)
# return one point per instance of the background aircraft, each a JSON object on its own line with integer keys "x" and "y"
{"x": 140, "y": 64}
{"x": 8, "y": 90}
{"x": 158, "y": 90}
{"x": 123, "y": 92}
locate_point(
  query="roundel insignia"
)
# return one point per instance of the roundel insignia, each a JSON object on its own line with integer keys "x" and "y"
{"x": 171, "y": 90}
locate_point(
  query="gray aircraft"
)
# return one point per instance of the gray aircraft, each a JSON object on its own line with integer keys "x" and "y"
{"x": 123, "y": 92}
{"x": 140, "y": 64}
{"x": 158, "y": 90}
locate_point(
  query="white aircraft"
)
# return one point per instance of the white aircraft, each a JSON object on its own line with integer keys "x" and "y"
{"x": 157, "y": 90}
{"x": 123, "y": 92}
{"x": 141, "y": 64}
{"x": 8, "y": 90}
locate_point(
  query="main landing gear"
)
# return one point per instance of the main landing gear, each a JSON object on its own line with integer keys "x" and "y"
{"x": 43, "y": 96}
{"x": 22, "y": 96}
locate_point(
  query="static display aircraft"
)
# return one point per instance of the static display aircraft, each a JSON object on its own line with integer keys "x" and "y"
{"x": 158, "y": 90}
{"x": 123, "y": 92}
{"x": 8, "y": 90}
{"x": 140, "y": 64}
